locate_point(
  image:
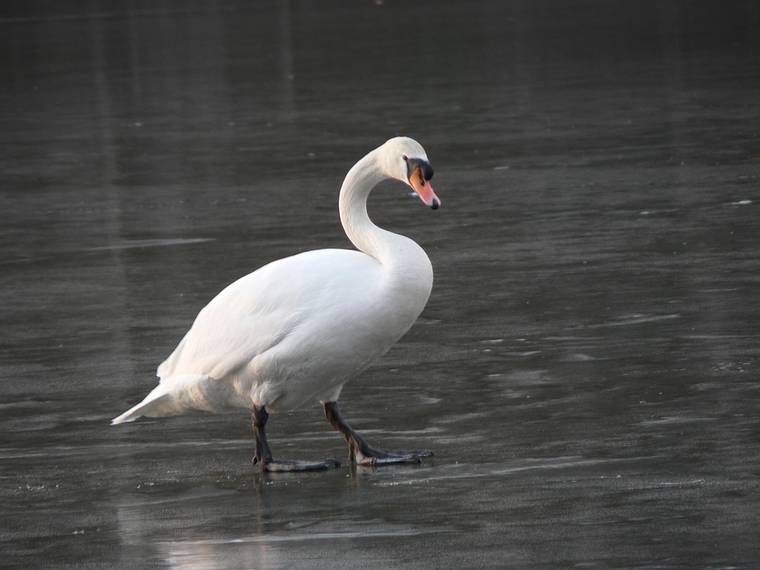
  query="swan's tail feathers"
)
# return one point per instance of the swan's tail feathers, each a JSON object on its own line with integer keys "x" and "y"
{"x": 158, "y": 403}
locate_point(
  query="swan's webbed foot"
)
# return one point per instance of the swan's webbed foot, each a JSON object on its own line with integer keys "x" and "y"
{"x": 285, "y": 466}
{"x": 360, "y": 451}
{"x": 370, "y": 456}
{"x": 263, "y": 455}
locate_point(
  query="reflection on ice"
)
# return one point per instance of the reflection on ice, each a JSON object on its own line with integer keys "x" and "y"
{"x": 140, "y": 243}
{"x": 498, "y": 470}
{"x": 271, "y": 550}
{"x": 636, "y": 319}
{"x": 305, "y": 536}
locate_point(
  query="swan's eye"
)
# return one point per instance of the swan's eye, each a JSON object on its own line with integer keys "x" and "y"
{"x": 406, "y": 158}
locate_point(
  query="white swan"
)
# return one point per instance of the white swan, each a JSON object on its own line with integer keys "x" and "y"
{"x": 296, "y": 330}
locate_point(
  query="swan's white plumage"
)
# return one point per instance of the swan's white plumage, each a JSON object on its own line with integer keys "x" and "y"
{"x": 297, "y": 329}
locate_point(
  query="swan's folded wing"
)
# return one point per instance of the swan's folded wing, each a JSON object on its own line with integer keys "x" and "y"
{"x": 258, "y": 311}
{"x": 221, "y": 342}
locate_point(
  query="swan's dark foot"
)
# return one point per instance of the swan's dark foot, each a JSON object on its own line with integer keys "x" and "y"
{"x": 263, "y": 455}
{"x": 294, "y": 466}
{"x": 370, "y": 456}
{"x": 360, "y": 451}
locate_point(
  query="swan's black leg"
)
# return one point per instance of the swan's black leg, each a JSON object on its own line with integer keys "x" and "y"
{"x": 264, "y": 455}
{"x": 259, "y": 420}
{"x": 360, "y": 450}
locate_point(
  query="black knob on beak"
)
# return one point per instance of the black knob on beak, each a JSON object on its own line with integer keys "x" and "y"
{"x": 413, "y": 164}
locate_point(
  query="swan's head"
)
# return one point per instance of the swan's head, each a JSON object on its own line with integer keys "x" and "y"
{"x": 404, "y": 159}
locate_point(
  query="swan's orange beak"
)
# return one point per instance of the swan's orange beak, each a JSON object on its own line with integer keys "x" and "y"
{"x": 423, "y": 188}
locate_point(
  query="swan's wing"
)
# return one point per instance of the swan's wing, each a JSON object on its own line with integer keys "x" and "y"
{"x": 260, "y": 310}
{"x": 223, "y": 340}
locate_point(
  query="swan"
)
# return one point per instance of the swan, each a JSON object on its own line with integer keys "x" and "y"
{"x": 296, "y": 330}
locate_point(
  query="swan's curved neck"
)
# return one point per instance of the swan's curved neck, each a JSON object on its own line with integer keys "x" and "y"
{"x": 365, "y": 235}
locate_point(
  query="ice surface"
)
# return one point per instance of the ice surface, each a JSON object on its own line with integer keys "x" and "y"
{"x": 586, "y": 369}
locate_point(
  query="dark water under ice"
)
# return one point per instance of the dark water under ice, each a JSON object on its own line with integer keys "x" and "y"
{"x": 586, "y": 370}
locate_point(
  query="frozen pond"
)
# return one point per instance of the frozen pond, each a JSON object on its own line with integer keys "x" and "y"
{"x": 586, "y": 371}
